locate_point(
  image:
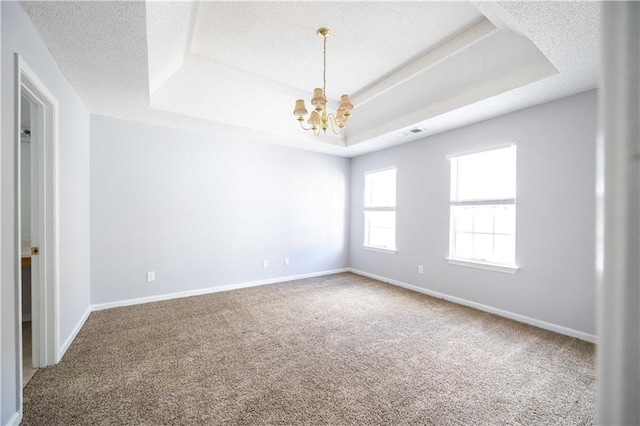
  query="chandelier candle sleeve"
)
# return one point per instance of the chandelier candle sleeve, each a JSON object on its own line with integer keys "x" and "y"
{"x": 345, "y": 103}
{"x": 318, "y": 99}
{"x": 300, "y": 109}
{"x": 315, "y": 119}
{"x": 321, "y": 119}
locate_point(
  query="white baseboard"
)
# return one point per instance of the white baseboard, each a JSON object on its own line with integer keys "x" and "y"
{"x": 516, "y": 317}
{"x": 63, "y": 349}
{"x": 15, "y": 420}
{"x": 209, "y": 290}
{"x": 26, "y": 317}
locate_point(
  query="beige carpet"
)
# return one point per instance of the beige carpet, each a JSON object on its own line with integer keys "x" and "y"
{"x": 334, "y": 350}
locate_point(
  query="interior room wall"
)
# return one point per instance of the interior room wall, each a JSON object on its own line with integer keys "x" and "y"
{"x": 19, "y": 35}
{"x": 555, "y": 214}
{"x": 202, "y": 212}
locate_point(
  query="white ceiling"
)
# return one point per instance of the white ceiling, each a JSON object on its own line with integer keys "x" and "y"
{"x": 234, "y": 69}
{"x": 255, "y": 38}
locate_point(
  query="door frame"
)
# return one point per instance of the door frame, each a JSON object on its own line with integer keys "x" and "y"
{"x": 45, "y": 297}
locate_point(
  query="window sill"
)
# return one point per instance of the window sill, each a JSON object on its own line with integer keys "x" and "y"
{"x": 484, "y": 265}
{"x": 380, "y": 249}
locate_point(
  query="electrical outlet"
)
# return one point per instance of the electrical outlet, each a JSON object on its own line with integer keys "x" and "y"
{"x": 265, "y": 263}
{"x": 286, "y": 261}
{"x": 420, "y": 269}
{"x": 151, "y": 276}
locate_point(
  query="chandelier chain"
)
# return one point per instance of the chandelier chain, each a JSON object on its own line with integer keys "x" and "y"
{"x": 324, "y": 68}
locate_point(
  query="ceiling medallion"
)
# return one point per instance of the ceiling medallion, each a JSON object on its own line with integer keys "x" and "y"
{"x": 320, "y": 119}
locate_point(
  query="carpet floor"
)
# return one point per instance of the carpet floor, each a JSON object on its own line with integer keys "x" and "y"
{"x": 333, "y": 350}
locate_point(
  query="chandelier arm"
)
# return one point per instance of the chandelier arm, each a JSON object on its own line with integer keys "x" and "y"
{"x": 304, "y": 128}
{"x": 315, "y": 131}
{"x": 332, "y": 123}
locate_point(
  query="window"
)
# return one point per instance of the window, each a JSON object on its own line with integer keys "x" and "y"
{"x": 380, "y": 210}
{"x": 483, "y": 209}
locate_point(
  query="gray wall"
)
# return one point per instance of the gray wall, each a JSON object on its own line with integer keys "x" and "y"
{"x": 202, "y": 212}
{"x": 19, "y": 35}
{"x": 555, "y": 214}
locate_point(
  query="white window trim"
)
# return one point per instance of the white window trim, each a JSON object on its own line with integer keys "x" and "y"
{"x": 477, "y": 264}
{"x": 366, "y": 209}
{"x": 380, "y": 249}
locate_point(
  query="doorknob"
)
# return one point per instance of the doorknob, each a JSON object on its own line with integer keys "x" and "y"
{"x": 34, "y": 251}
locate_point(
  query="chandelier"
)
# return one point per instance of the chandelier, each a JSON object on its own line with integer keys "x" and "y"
{"x": 320, "y": 118}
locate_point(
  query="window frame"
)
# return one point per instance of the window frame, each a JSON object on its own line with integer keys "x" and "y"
{"x": 367, "y": 209}
{"x": 473, "y": 262}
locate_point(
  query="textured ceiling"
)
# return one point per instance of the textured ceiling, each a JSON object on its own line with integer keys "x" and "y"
{"x": 234, "y": 69}
{"x": 169, "y": 34}
{"x": 367, "y": 42}
{"x": 100, "y": 46}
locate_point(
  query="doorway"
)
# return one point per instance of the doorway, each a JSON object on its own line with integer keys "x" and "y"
{"x": 36, "y": 224}
{"x": 26, "y": 223}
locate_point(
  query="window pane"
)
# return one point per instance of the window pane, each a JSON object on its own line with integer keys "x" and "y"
{"x": 383, "y": 219}
{"x": 505, "y": 219}
{"x": 482, "y": 230}
{"x": 482, "y": 247}
{"x": 382, "y": 237}
{"x": 380, "y": 229}
{"x": 485, "y": 175}
{"x": 483, "y": 219}
{"x": 463, "y": 245}
{"x": 380, "y": 189}
{"x": 463, "y": 217}
{"x": 504, "y": 249}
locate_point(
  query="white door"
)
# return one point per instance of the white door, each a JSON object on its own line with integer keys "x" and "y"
{"x": 36, "y": 174}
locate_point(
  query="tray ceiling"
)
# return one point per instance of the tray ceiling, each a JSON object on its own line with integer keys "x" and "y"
{"x": 234, "y": 69}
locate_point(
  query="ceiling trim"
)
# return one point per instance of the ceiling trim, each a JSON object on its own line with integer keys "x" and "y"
{"x": 450, "y": 47}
